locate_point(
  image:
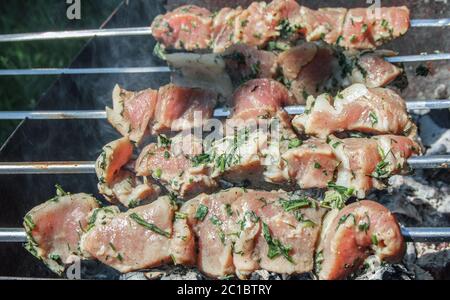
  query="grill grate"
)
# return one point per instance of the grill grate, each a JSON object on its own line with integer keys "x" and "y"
{"x": 58, "y": 142}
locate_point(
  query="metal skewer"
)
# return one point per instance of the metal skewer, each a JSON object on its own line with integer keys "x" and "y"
{"x": 143, "y": 31}
{"x": 165, "y": 69}
{"x": 220, "y": 112}
{"x": 411, "y": 234}
{"x": 88, "y": 167}
{"x": 65, "y": 167}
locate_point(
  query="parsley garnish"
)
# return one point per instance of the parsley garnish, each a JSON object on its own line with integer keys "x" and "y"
{"x": 138, "y": 219}
{"x": 276, "y": 248}
{"x": 201, "y": 212}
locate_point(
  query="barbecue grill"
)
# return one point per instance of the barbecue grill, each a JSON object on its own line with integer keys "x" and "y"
{"x": 58, "y": 142}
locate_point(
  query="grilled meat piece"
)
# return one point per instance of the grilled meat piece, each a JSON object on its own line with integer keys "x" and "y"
{"x": 242, "y": 231}
{"x": 188, "y": 27}
{"x": 136, "y": 114}
{"x": 115, "y": 182}
{"x": 141, "y": 238}
{"x": 54, "y": 229}
{"x": 358, "y": 108}
{"x": 194, "y": 28}
{"x": 236, "y": 231}
{"x": 367, "y": 28}
{"x": 305, "y": 69}
{"x": 350, "y": 235}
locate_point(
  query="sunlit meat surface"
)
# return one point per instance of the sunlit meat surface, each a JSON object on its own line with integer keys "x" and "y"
{"x": 274, "y": 231}
{"x": 172, "y": 164}
{"x": 350, "y": 235}
{"x": 117, "y": 183}
{"x": 132, "y": 112}
{"x": 187, "y": 27}
{"x": 366, "y": 163}
{"x": 234, "y": 232}
{"x": 171, "y": 108}
{"x": 141, "y": 238}
{"x": 54, "y": 229}
{"x": 177, "y": 108}
{"x": 259, "y": 98}
{"x": 367, "y": 28}
{"x": 310, "y": 68}
{"x": 358, "y": 108}
{"x": 193, "y": 28}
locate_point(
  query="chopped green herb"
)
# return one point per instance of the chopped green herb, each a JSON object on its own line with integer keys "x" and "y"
{"x": 252, "y": 216}
{"x": 317, "y": 165}
{"x": 157, "y": 174}
{"x": 364, "y": 226}
{"x": 29, "y": 223}
{"x": 133, "y": 203}
{"x": 59, "y": 191}
{"x": 374, "y": 239}
{"x": 318, "y": 260}
{"x": 373, "y": 118}
{"x": 290, "y": 205}
{"x": 228, "y": 209}
{"x": 294, "y": 143}
{"x": 215, "y": 220}
{"x": 166, "y": 155}
{"x": 201, "y": 212}
{"x": 180, "y": 216}
{"x": 344, "y": 218}
{"x": 364, "y": 28}
{"x": 337, "y": 196}
{"x": 138, "y": 219}
{"x": 201, "y": 159}
{"x": 276, "y": 248}
{"x": 159, "y": 51}
{"x": 164, "y": 141}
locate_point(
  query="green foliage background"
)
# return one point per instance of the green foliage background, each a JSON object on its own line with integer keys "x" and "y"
{"x": 18, "y": 16}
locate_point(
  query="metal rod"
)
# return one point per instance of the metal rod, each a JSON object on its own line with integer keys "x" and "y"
{"x": 66, "y": 71}
{"x": 75, "y": 34}
{"x": 164, "y": 69}
{"x": 12, "y": 235}
{"x": 65, "y": 167}
{"x": 430, "y": 22}
{"x": 417, "y": 58}
{"x": 426, "y": 234}
{"x": 430, "y": 162}
{"x": 220, "y": 112}
{"x": 53, "y": 115}
{"x": 68, "y": 167}
{"x": 411, "y": 234}
{"x": 142, "y": 31}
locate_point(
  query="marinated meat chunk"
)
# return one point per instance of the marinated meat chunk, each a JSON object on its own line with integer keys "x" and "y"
{"x": 240, "y": 231}
{"x": 188, "y": 27}
{"x": 357, "y": 108}
{"x": 132, "y": 112}
{"x": 367, "y": 28}
{"x": 178, "y": 108}
{"x": 54, "y": 229}
{"x": 140, "y": 238}
{"x": 349, "y": 236}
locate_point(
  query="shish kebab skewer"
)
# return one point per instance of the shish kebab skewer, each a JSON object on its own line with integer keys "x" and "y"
{"x": 186, "y": 168}
{"x": 139, "y": 31}
{"x": 143, "y": 31}
{"x": 88, "y": 167}
{"x": 235, "y": 231}
{"x": 411, "y": 234}
{"x": 411, "y": 105}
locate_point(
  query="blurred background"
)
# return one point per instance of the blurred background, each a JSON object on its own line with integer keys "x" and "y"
{"x": 19, "y": 16}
